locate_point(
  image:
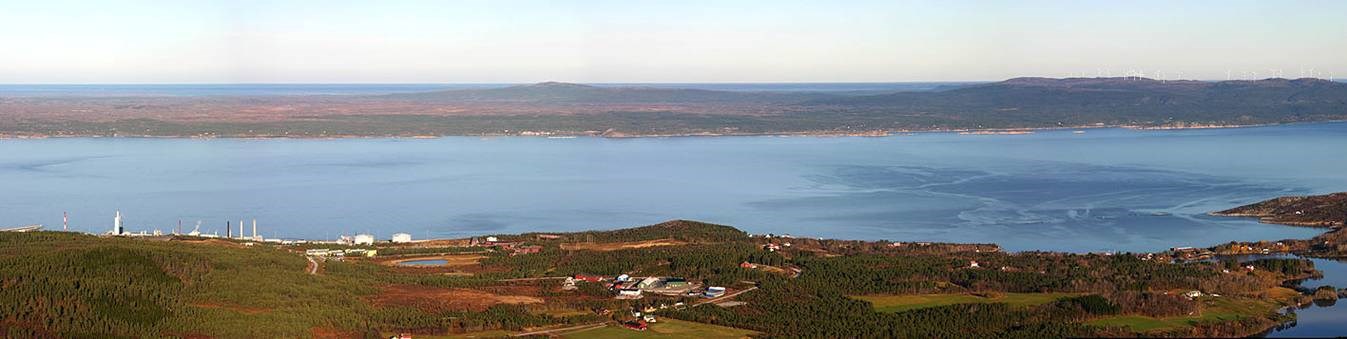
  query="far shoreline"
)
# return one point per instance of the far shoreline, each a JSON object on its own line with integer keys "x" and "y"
{"x": 625, "y": 135}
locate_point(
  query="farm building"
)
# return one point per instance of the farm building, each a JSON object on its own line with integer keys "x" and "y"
{"x": 714, "y": 291}
{"x": 675, "y": 283}
{"x": 629, "y": 293}
{"x": 589, "y": 278}
{"x": 650, "y": 282}
{"x": 526, "y": 249}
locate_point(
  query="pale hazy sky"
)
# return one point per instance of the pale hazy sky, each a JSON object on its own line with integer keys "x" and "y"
{"x": 392, "y": 41}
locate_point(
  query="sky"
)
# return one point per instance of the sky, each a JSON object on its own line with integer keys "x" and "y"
{"x": 507, "y": 41}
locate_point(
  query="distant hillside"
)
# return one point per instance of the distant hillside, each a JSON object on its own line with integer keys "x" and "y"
{"x": 1316, "y": 210}
{"x": 560, "y": 92}
{"x": 1036, "y": 101}
{"x": 554, "y": 108}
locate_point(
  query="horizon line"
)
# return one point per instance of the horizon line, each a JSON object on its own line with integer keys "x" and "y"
{"x": 630, "y": 83}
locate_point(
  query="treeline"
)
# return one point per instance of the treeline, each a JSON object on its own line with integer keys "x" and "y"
{"x": 816, "y": 304}
{"x": 717, "y": 263}
{"x": 683, "y": 230}
{"x": 71, "y": 285}
{"x": 789, "y": 311}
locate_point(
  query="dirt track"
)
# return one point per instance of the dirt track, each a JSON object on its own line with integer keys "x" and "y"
{"x": 614, "y": 246}
{"x": 436, "y": 298}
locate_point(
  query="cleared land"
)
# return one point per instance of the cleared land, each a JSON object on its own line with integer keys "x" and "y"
{"x": 614, "y": 246}
{"x": 665, "y": 328}
{"x": 1217, "y": 308}
{"x": 435, "y": 298}
{"x": 902, "y": 303}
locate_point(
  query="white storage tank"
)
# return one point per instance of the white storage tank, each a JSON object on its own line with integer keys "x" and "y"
{"x": 400, "y": 238}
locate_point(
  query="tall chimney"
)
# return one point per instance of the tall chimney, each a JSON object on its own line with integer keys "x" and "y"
{"x": 229, "y": 229}
{"x": 117, "y": 223}
{"x": 254, "y": 228}
{"x": 240, "y": 228}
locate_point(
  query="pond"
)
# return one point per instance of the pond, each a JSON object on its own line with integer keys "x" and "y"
{"x": 424, "y": 262}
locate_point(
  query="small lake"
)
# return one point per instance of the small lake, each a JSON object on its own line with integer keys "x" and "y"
{"x": 1101, "y": 190}
{"x": 425, "y": 262}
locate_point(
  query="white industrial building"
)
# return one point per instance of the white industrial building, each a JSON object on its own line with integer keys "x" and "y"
{"x": 363, "y": 239}
{"x": 400, "y": 238}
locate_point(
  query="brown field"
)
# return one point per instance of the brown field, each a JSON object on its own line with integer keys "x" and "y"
{"x": 614, "y": 246}
{"x": 436, "y": 298}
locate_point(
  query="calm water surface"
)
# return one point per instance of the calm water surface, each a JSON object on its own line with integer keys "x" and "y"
{"x": 427, "y": 262}
{"x": 1321, "y": 318}
{"x": 1107, "y": 189}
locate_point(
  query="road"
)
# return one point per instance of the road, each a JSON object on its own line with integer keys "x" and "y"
{"x": 313, "y": 265}
{"x": 724, "y": 297}
{"x": 531, "y": 279}
{"x": 558, "y": 330}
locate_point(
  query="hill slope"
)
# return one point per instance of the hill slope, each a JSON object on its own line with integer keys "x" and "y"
{"x": 560, "y": 92}
{"x": 1076, "y": 101}
{"x": 1317, "y": 210}
{"x": 571, "y": 109}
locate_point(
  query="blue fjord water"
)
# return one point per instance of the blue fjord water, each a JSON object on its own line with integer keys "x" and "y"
{"x": 1106, "y": 189}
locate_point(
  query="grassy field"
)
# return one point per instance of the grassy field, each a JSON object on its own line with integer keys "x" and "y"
{"x": 1215, "y": 309}
{"x": 665, "y": 328}
{"x": 902, "y": 303}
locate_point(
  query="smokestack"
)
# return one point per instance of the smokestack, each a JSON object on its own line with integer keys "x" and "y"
{"x": 117, "y": 223}
{"x": 65, "y": 221}
{"x": 228, "y": 230}
{"x": 254, "y": 228}
{"x": 240, "y": 228}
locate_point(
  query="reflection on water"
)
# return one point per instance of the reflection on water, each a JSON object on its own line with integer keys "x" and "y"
{"x": 1322, "y": 318}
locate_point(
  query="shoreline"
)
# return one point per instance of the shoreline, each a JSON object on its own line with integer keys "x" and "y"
{"x": 611, "y": 134}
